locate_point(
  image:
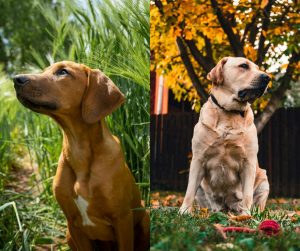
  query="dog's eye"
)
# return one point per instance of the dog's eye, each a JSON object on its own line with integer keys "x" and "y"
{"x": 244, "y": 66}
{"x": 62, "y": 72}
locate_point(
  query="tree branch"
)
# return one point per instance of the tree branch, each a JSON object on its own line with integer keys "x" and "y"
{"x": 252, "y": 36}
{"x": 203, "y": 61}
{"x": 248, "y": 28}
{"x": 275, "y": 101}
{"x": 159, "y": 5}
{"x": 208, "y": 48}
{"x": 234, "y": 39}
{"x": 190, "y": 69}
{"x": 265, "y": 25}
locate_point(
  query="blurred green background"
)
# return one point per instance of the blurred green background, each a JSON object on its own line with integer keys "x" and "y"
{"x": 109, "y": 35}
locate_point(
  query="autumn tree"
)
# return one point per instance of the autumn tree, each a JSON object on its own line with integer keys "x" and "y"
{"x": 188, "y": 37}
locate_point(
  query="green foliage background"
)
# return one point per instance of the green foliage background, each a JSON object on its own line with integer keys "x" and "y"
{"x": 110, "y": 35}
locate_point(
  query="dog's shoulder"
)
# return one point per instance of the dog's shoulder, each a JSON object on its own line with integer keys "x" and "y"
{"x": 209, "y": 116}
{"x": 249, "y": 117}
{"x": 205, "y": 129}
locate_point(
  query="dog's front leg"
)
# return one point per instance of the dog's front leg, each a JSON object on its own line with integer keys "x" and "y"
{"x": 248, "y": 179}
{"x": 123, "y": 226}
{"x": 195, "y": 177}
{"x": 77, "y": 240}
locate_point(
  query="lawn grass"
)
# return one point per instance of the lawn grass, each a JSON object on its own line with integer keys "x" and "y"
{"x": 171, "y": 231}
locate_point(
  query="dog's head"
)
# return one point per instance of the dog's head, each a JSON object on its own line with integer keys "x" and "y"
{"x": 240, "y": 78}
{"x": 66, "y": 88}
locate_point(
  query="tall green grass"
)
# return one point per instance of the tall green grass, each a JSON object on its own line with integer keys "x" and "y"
{"x": 112, "y": 36}
{"x": 27, "y": 141}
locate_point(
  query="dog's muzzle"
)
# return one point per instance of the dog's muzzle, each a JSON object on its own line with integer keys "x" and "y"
{"x": 257, "y": 90}
{"x": 20, "y": 80}
{"x": 30, "y": 97}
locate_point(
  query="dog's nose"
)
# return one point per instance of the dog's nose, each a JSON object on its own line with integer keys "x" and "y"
{"x": 20, "y": 80}
{"x": 265, "y": 78}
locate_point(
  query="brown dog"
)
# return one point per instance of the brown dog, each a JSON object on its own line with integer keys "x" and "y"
{"x": 224, "y": 172}
{"x": 92, "y": 185}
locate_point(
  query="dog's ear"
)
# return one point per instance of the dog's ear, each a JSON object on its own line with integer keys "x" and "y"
{"x": 101, "y": 97}
{"x": 216, "y": 74}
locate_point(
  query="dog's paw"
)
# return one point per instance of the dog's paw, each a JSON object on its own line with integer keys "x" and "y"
{"x": 185, "y": 210}
{"x": 239, "y": 209}
{"x": 247, "y": 202}
{"x": 243, "y": 210}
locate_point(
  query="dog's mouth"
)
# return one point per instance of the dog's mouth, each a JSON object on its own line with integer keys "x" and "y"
{"x": 36, "y": 105}
{"x": 251, "y": 94}
{"x": 257, "y": 88}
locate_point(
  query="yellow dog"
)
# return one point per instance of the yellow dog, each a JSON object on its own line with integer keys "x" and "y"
{"x": 224, "y": 173}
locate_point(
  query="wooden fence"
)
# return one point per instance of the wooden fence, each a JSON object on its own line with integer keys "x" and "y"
{"x": 279, "y": 151}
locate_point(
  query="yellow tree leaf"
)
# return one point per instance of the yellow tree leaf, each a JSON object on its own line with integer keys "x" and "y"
{"x": 219, "y": 37}
{"x": 188, "y": 35}
{"x": 264, "y": 3}
{"x": 239, "y": 217}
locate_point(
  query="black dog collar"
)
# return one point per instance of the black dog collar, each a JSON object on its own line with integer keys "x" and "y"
{"x": 213, "y": 98}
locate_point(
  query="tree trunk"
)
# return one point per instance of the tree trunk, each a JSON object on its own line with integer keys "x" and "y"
{"x": 275, "y": 101}
{"x": 190, "y": 70}
{"x": 264, "y": 117}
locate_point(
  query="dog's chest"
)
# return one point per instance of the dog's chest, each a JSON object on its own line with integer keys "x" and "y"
{"x": 92, "y": 221}
{"x": 227, "y": 144}
{"x": 82, "y": 206}
{"x": 223, "y": 161}
{"x": 229, "y": 133}
{"x": 85, "y": 196}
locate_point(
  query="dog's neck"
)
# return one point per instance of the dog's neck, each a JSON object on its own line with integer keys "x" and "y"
{"x": 226, "y": 101}
{"x": 76, "y": 130}
{"x": 215, "y": 101}
{"x": 83, "y": 142}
